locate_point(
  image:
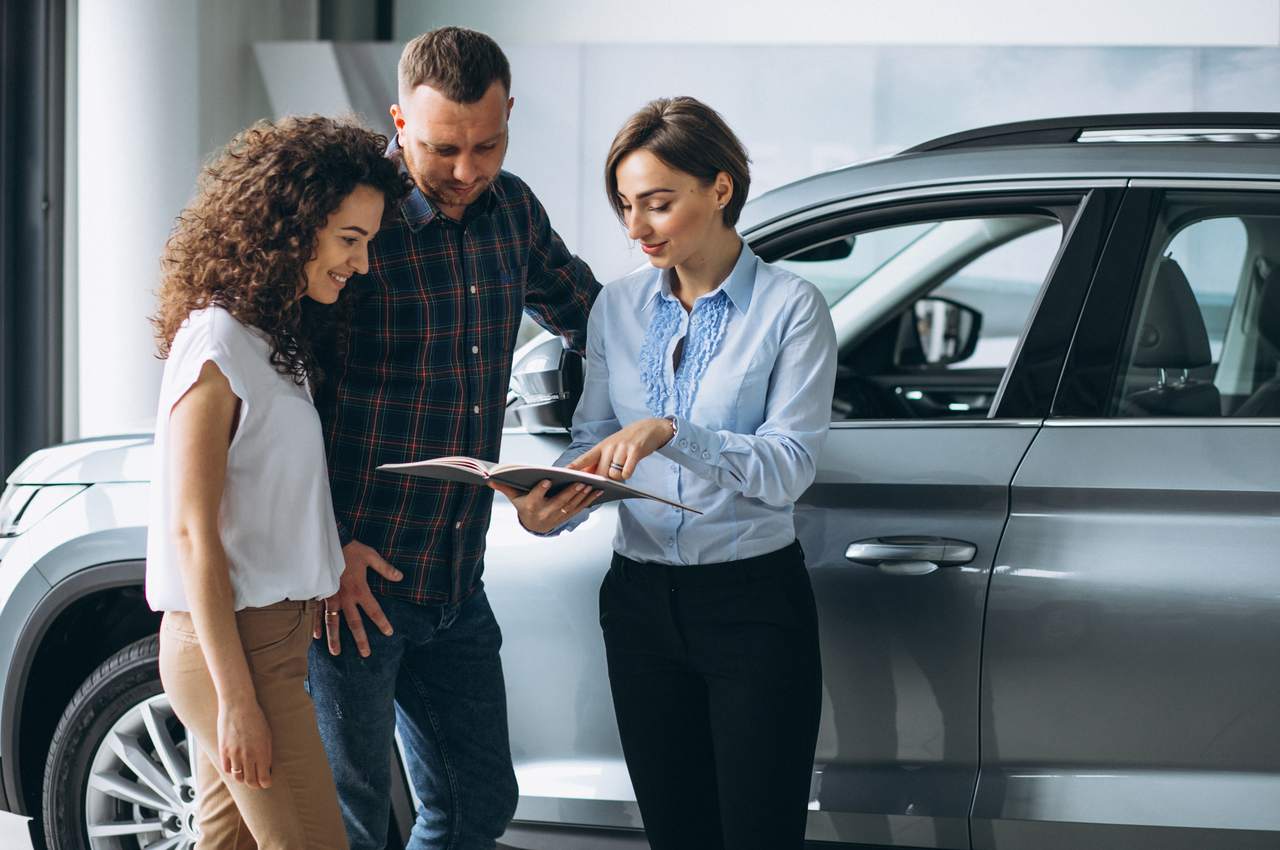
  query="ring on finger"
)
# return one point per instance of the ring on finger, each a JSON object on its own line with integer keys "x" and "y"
{"x": 331, "y": 613}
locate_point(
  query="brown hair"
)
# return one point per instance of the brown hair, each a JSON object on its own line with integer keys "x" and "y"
{"x": 689, "y": 136}
{"x": 244, "y": 239}
{"x": 460, "y": 63}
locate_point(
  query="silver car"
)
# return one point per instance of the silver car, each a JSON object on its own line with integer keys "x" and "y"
{"x": 1044, "y": 536}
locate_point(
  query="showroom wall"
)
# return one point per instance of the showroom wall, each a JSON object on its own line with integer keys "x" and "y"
{"x": 159, "y": 84}
{"x": 163, "y": 82}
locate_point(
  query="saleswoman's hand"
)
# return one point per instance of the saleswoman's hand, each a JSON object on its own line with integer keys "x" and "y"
{"x": 540, "y": 514}
{"x": 616, "y": 455}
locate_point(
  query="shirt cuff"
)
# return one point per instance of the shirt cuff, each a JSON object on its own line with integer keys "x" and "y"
{"x": 693, "y": 442}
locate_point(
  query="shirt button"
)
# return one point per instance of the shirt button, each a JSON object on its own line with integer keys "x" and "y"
{"x": 706, "y": 455}
{"x": 475, "y": 349}
{"x": 458, "y": 526}
{"x": 684, "y": 444}
{"x": 473, "y": 290}
{"x": 475, "y": 409}
{"x": 694, "y": 447}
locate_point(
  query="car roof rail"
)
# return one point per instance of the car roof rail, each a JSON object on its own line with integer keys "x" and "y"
{"x": 1131, "y": 127}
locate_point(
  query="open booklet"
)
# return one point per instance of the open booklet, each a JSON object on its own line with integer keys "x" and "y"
{"x": 469, "y": 470}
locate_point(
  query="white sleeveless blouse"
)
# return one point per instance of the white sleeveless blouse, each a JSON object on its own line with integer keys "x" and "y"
{"x": 276, "y": 518}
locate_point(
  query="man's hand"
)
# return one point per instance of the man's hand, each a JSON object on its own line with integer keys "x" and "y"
{"x": 616, "y": 455}
{"x": 353, "y": 595}
{"x": 540, "y": 514}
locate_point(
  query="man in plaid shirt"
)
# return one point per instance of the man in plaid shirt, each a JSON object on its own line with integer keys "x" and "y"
{"x": 425, "y": 374}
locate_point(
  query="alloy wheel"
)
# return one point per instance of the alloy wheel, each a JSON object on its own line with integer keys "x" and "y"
{"x": 141, "y": 792}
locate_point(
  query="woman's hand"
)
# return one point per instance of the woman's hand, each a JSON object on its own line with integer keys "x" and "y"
{"x": 244, "y": 742}
{"x": 540, "y": 514}
{"x": 616, "y": 456}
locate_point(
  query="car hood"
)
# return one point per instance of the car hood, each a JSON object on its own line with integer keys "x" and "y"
{"x": 92, "y": 461}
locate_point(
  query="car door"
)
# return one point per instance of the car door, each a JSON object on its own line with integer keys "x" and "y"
{"x": 902, "y": 524}
{"x": 1131, "y": 663}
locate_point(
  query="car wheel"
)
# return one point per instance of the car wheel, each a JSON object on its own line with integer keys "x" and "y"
{"x": 119, "y": 776}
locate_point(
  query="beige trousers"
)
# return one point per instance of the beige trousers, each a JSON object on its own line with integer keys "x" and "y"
{"x": 300, "y": 809}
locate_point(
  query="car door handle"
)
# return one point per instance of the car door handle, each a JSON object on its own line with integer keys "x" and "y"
{"x": 911, "y": 555}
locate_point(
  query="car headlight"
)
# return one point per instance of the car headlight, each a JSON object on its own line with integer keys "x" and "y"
{"x": 23, "y": 505}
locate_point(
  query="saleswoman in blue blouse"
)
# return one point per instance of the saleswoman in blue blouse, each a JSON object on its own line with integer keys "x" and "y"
{"x": 709, "y": 381}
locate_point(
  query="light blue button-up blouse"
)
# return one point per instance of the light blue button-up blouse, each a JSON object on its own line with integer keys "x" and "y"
{"x": 752, "y": 402}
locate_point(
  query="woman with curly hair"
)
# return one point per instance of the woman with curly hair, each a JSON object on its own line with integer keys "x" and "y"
{"x": 242, "y": 535}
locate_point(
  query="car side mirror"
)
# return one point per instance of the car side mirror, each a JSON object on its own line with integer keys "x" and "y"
{"x": 547, "y": 382}
{"x": 936, "y": 332}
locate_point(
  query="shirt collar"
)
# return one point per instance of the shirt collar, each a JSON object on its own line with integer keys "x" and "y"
{"x": 738, "y": 286}
{"x": 418, "y": 211}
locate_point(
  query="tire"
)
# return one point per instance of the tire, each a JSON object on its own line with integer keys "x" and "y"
{"x": 118, "y": 774}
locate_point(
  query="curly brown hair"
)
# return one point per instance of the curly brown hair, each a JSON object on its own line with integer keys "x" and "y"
{"x": 243, "y": 241}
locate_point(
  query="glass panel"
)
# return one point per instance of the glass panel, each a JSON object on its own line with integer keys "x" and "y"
{"x": 837, "y": 277}
{"x": 1204, "y": 340}
{"x": 1002, "y": 285}
{"x": 930, "y": 313}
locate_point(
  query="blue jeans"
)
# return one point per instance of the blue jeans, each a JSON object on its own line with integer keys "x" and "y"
{"x": 438, "y": 679}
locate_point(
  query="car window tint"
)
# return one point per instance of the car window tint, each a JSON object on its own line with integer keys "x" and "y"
{"x": 1204, "y": 337}
{"x": 929, "y": 313}
{"x": 1211, "y": 254}
{"x": 1002, "y": 285}
{"x": 838, "y": 276}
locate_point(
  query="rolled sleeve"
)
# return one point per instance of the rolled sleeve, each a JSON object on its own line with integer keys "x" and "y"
{"x": 561, "y": 287}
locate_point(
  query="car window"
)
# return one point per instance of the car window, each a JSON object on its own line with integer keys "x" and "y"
{"x": 1002, "y": 285}
{"x": 1204, "y": 336}
{"x": 928, "y": 322}
{"x": 837, "y": 276}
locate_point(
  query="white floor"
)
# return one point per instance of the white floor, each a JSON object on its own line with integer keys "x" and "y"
{"x": 13, "y": 832}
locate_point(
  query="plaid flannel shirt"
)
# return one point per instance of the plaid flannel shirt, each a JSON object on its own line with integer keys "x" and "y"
{"x": 426, "y": 370}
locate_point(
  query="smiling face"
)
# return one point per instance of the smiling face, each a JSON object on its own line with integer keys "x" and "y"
{"x": 453, "y": 151}
{"x": 673, "y": 215}
{"x": 342, "y": 245}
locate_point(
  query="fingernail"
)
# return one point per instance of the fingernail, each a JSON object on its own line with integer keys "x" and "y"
{"x": 577, "y": 488}
{"x": 397, "y": 575}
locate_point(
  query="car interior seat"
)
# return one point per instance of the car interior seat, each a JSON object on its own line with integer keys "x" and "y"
{"x": 1265, "y": 400}
{"x": 1172, "y": 338}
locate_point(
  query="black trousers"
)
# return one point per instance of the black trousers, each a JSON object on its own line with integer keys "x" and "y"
{"x": 717, "y": 686}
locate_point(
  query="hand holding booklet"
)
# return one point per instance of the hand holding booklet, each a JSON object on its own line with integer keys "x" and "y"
{"x": 523, "y": 477}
